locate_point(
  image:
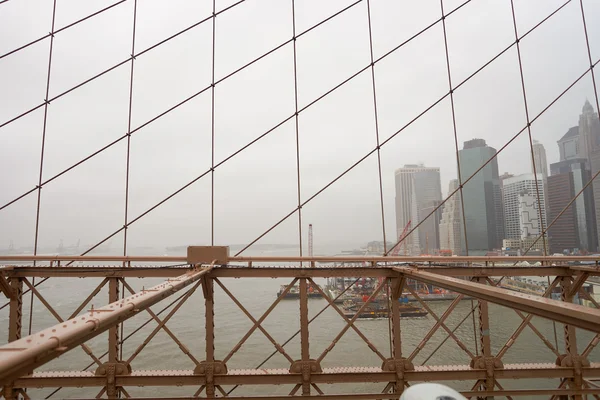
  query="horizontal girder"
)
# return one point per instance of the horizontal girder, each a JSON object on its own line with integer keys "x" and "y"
{"x": 547, "y": 260}
{"x": 283, "y": 376}
{"x": 275, "y": 271}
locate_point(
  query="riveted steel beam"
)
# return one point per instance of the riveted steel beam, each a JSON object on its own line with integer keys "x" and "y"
{"x": 576, "y": 315}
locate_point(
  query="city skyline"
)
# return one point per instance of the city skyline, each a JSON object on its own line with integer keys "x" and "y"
{"x": 497, "y": 207}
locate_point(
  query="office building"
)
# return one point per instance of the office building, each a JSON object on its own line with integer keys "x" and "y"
{"x": 450, "y": 226}
{"x": 564, "y": 233}
{"x": 519, "y": 191}
{"x": 584, "y": 209}
{"x": 539, "y": 159}
{"x": 482, "y": 197}
{"x": 418, "y": 190}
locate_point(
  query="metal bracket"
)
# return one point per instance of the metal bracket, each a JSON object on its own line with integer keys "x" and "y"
{"x": 298, "y": 366}
{"x": 306, "y": 368}
{"x": 111, "y": 370}
{"x": 490, "y": 365}
{"x": 209, "y": 369}
{"x": 399, "y": 366}
{"x": 577, "y": 362}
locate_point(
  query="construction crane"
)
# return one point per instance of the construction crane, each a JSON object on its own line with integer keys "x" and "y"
{"x": 396, "y": 249}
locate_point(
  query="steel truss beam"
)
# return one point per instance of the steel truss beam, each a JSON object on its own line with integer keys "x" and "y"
{"x": 439, "y": 276}
{"x": 284, "y": 377}
{"x": 568, "y": 313}
{"x": 277, "y": 272}
{"x": 23, "y": 355}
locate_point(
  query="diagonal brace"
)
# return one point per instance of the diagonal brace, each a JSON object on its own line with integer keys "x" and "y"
{"x": 6, "y": 289}
{"x": 526, "y": 322}
{"x": 263, "y": 330}
{"x": 88, "y": 299}
{"x": 260, "y": 320}
{"x": 164, "y": 327}
{"x": 441, "y": 323}
{"x": 435, "y": 327}
{"x": 161, "y": 325}
{"x": 336, "y": 308}
{"x": 351, "y": 322}
{"x": 52, "y": 311}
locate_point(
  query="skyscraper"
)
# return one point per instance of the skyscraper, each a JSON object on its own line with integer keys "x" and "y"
{"x": 539, "y": 158}
{"x": 482, "y": 197}
{"x": 564, "y": 233}
{"x": 568, "y": 145}
{"x": 451, "y": 221}
{"x": 418, "y": 188}
{"x": 589, "y": 132}
{"x": 583, "y": 209}
{"x": 517, "y": 190}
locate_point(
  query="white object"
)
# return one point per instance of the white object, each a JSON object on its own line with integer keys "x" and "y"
{"x": 431, "y": 391}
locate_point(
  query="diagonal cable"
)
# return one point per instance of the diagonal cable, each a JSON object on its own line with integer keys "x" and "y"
{"x": 454, "y": 130}
{"x": 61, "y": 29}
{"x": 376, "y": 115}
{"x": 408, "y": 124}
{"x": 116, "y": 65}
{"x": 181, "y": 103}
{"x": 537, "y": 186}
{"x": 297, "y": 128}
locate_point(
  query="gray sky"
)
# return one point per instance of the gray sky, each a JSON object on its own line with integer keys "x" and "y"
{"x": 259, "y": 186}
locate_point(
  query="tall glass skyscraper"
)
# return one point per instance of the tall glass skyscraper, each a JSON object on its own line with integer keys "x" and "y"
{"x": 482, "y": 196}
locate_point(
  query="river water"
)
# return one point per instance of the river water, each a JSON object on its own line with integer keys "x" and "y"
{"x": 65, "y": 294}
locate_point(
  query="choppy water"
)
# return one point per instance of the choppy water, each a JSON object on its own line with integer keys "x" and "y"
{"x": 257, "y": 295}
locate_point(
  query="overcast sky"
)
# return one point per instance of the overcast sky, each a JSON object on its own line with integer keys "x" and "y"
{"x": 258, "y": 187}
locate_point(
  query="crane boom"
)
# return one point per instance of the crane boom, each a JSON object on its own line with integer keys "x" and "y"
{"x": 396, "y": 248}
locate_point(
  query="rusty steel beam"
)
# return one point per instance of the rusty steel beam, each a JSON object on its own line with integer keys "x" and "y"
{"x": 357, "y": 258}
{"x": 23, "y": 355}
{"x": 571, "y": 314}
{"x": 594, "y": 271}
{"x": 282, "y": 376}
{"x": 276, "y": 272}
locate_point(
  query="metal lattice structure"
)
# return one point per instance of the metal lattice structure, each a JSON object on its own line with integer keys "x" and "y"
{"x": 305, "y": 370}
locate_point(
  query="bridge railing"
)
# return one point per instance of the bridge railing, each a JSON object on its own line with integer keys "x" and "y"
{"x": 309, "y": 334}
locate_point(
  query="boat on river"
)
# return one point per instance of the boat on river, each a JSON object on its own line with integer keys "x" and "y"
{"x": 380, "y": 308}
{"x": 294, "y": 292}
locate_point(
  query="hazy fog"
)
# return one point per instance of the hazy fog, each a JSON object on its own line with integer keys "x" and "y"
{"x": 259, "y": 186}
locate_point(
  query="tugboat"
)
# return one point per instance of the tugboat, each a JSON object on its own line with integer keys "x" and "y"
{"x": 294, "y": 292}
{"x": 378, "y": 308}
